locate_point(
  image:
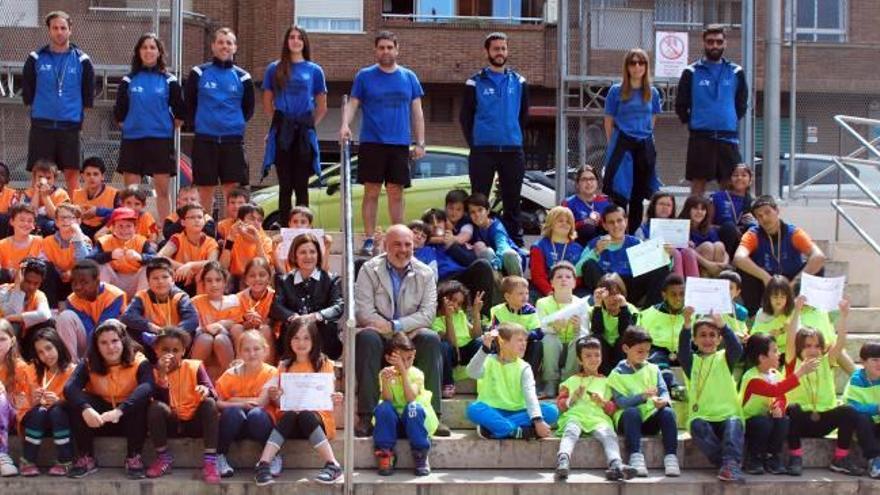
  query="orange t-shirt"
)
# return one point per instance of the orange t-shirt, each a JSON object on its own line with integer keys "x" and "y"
{"x": 233, "y": 383}
{"x": 799, "y": 239}
{"x": 62, "y": 258}
{"x": 19, "y": 376}
{"x": 326, "y": 416}
{"x": 119, "y": 382}
{"x": 11, "y": 254}
{"x": 223, "y": 227}
{"x": 230, "y": 309}
{"x": 59, "y": 195}
{"x": 52, "y": 382}
{"x": 7, "y": 196}
{"x": 182, "y": 395}
{"x": 262, "y": 306}
{"x": 110, "y": 242}
{"x": 187, "y": 251}
{"x": 244, "y": 251}
{"x": 105, "y": 199}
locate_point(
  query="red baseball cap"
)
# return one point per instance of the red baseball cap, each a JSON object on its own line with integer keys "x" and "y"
{"x": 123, "y": 214}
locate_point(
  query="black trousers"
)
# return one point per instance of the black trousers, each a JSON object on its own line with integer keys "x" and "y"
{"x": 766, "y": 435}
{"x": 643, "y": 291}
{"x": 293, "y": 177}
{"x": 478, "y": 277}
{"x": 843, "y": 418}
{"x": 511, "y": 169}
{"x": 132, "y": 425}
{"x": 644, "y": 158}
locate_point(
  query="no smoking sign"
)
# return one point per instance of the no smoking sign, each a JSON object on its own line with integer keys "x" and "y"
{"x": 671, "y": 53}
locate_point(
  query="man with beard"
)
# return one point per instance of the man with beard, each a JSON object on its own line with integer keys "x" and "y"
{"x": 493, "y": 117}
{"x": 712, "y": 97}
{"x": 391, "y": 96}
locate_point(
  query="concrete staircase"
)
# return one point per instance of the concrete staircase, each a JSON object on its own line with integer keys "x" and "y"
{"x": 465, "y": 463}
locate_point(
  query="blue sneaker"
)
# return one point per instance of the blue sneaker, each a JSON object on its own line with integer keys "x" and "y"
{"x": 367, "y": 248}
{"x": 875, "y": 468}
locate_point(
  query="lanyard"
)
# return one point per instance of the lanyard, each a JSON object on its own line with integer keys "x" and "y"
{"x": 59, "y": 74}
{"x": 701, "y": 381}
{"x": 557, "y": 257}
{"x": 736, "y": 216}
{"x": 777, "y": 253}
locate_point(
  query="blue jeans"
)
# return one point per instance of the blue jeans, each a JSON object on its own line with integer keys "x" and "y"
{"x": 450, "y": 360}
{"x": 238, "y": 424}
{"x": 504, "y": 424}
{"x": 390, "y": 426}
{"x": 720, "y": 441}
{"x": 663, "y": 421}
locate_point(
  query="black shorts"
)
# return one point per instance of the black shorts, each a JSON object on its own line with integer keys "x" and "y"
{"x": 711, "y": 159}
{"x": 219, "y": 163}
{"x": 60, "y": 146}
{"x": 147, "y": 157}
{"x": 388, "y": 163}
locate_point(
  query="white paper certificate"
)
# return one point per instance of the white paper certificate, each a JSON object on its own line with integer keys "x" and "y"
{"x": 676, "y": 233}
{"x": 307, "y": 391}
{"x": 647, "y": 257}
{"x": 822, "y": 293}
{"x": 287, "y": 237}
{"x": 708, "y": 295}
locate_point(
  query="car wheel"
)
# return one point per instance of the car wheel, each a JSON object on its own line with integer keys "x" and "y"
{"x": 532, "y": 218}
{"x": 271, "y": 222}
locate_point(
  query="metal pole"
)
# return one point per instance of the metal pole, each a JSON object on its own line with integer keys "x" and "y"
{"x": 348, "y": 294}
{"x": 561, "y": 101}
{"x": 748, "y": 63}
{"x": 177, "y": 69}
{"x": 773, "y": 53}
{"x": 792, "y": 101}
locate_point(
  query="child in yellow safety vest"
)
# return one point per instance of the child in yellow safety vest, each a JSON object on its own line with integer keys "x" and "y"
{"x": 507, "y": 403}
{"x": 586, "y": 407}
{"x": 714, "y": 410}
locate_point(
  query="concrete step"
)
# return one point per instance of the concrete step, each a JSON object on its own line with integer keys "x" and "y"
{"x": 864, "y": 321}
{"x": 463, "y": 450}
{"x": 447, "y": 482}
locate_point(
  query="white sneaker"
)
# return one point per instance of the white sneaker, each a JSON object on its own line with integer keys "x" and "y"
{"x": 7, "y": 467}
{"x": 275, "y": 466}
{"x": 637, "y": 462}
{"x": 223, "y": 466}
{"x": 670, "y": 465}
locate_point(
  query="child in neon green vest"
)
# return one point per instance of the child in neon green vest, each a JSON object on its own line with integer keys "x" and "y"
{"x": 517, "y": 309}
{"x": 664, "y": 322}
{"x": 738, "y": 320}
{"x": 406, "y": 405}
{"x": 611, "y": 316}
{"x": 561, "y": 335}
{"x": 762, "y": 395}
{"x": 714, "y": 410}
{"x": 586, "y": 407}
{"x": 813, "y": 409}
{"x": 507, "y": 404}
{"x": 863, "y": 394}
{"x": 643, "y": 403}
{"x": 460, "y": 338}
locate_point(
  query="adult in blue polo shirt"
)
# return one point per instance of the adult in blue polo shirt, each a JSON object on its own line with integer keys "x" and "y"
{"x": 220, "y": 101}
{"x": 494, "y": 112}
{"x": 295, "y": 98}
{"x": 391, "y": 97}
{"x": 712, "y": 97}
{"x": 773, "y": 247}
{"x": 149, "y": 104}
{"x": 58, "y": 84}
{"x": 631, "y": 107}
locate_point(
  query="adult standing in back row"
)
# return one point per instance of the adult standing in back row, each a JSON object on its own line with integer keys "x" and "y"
{"x": 391, "y": 96}
{"x": 220, "y": 101}
{"x": 712, "y": 97}
{"x": 58, "y": 84}
{"x": 494, "y": 112}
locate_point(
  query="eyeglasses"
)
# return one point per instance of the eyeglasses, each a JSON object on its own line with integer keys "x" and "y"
{"x": 633, "y": 63}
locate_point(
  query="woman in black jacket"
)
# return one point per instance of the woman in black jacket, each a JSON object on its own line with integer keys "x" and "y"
{"x": 309, "y": 292}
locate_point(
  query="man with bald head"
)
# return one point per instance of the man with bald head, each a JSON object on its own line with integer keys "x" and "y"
{"x": 395, "y": 292}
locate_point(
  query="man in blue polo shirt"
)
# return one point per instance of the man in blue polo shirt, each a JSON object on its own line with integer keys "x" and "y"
{"x": 58, "y": 84}
{"x": 712, "y": 97}
{"x": 391, "y": 97}
{"x": 494, "y": 111}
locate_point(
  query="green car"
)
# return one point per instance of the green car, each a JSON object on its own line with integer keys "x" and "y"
{"x": 438, "y": 172}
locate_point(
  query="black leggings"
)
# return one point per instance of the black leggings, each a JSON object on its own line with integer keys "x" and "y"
{"x": 299, "y": 424}
{"x": 293, "y": 176}
{"x": 132, "y": 425}
{"x": 766, "y": 434}
{"x": 843, "y": 418}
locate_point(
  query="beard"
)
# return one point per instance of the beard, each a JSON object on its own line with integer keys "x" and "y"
{"x": 495, "y": 63}
{"x": 714, "y": 54}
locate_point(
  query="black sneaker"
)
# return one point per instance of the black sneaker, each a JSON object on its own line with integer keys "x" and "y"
{"x": 420, "y": 462}
{"x": 134, "y": 468}
{"x": 442, "y": 430}
{"x": 329, "y": 473}
{"x": 795, "y": 465}
{"x": 263, "y": 474}
{"x": 83, "y": 467}
{"x": 773, "y": 464}
{"x": 845, "y": 465}
{"x": 563, "y": 466}
{"x": 753, "y": 465}
{"x": 364, "y": 426}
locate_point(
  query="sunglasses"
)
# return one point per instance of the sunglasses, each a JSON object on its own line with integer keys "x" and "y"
{"x": 714, "y": 42}
{"x": 637, "y": 62}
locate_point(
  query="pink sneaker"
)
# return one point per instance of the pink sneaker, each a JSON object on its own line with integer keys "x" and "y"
{"x": 27, "y": 469}
{"x": 60, "y": 469}
{"x": 160, "y": 466}
{"x": 210, "y": 473}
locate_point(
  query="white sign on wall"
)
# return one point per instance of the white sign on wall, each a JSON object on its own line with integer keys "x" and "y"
{"x": 670, "y": 53}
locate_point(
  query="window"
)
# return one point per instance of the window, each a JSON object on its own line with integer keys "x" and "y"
{"x": 679, "y": 13}
{"x": 514, "y": 11}
{"x": 441, "y": 108}
{"x": 435, "y": 165}
{"x": 614, "y": 27}
{"x": 819, "y": 20}
{"x": 330, "y": 16}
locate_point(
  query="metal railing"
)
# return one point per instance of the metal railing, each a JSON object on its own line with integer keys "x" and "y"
{"x": 843, "y": 164}
{"x": 348, "y": 296}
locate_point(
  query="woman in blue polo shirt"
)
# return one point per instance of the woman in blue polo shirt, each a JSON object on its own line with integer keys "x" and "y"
{"x": 149, "y": 104}
{"x": 295, "y": 98}
{"x": 630, "y": 110}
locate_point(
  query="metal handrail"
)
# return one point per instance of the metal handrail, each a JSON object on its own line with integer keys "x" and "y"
{"x": 348, "y": 297}
{"x": 845, "y": 121}
{"x": 849, "y": 159}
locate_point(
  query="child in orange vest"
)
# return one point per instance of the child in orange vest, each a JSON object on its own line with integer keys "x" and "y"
{"x": 219, "y": 316}
{"x": 8, "y": 196}
{"x": 44, "y": 196}
{"x": 190, "y": 250}
{"x": 21, "y": 243}
{"x": 256, "y": 302}
{"x": 184, "y": 404}
{"x": 234, "y": 200}
{"x": 122, "y": 253}
{"x": 12, "y": 373}
{"x": 246, "y": 241}
{"x": 96, "y": 198}
{"x": 108, "y": 395}
{"x": 23, "y": 304}
{"x": 62, "y": 250}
